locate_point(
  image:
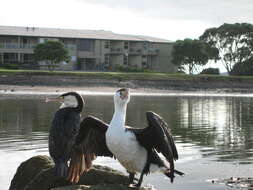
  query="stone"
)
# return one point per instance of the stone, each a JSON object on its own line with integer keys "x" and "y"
{"x": 37, "y": 173}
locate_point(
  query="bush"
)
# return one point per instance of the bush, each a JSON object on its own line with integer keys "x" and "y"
{"x": 128, "y": 69}
{"x": 244, "y": 68}
{"x": 9, "y": 66}
{"x": 211, "y": 71}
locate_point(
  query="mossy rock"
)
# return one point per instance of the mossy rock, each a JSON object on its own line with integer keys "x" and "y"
{"x": 28, "y": 169}
{"x": 37, "y": 173}
{"x": 103, "y": 174}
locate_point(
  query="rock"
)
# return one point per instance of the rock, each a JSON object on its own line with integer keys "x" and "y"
{"x": 28, "y": 169}
{"x": 72, "y": 187}
{"x": 236, "y": 182}
{"x": 99, "y": 187}
{"x": 37, "y": 174}
{"x": 103, "y": 174}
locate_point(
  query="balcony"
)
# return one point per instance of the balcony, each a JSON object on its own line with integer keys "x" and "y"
{"x": 16, "y": 46}
{"x": 116, "y": 51}
{"x": 9, "y": 45}
{"x": 153, "y": 51}
{"x": 135, "y": 51}
{"x": 70, "y": 46}
{"x": 27, "y": 46}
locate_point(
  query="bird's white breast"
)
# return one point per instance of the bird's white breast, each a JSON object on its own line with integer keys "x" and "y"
{"x": 125, "y": 147}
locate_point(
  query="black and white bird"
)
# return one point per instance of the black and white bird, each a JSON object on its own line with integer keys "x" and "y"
{"x": 64, "y": 129}
{"x": 136, "y": 149}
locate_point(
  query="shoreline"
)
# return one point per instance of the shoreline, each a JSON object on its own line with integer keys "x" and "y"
{"x": 85, "y": 84}
{"x": 37, "y": 90}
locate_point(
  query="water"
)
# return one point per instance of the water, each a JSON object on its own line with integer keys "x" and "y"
{"x": 213, "y": 134}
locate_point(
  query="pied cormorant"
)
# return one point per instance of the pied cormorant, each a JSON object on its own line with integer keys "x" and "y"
{"x": 64, "y": 129}
{"x": 136, "y": 149}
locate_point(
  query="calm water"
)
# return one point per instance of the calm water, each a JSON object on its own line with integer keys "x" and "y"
{"x": 213, "y": 134}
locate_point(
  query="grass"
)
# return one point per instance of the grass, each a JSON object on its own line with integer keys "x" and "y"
{"x": 128, "y": 75}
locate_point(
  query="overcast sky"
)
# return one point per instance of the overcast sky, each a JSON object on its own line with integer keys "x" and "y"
{"x": 169, "y": 19}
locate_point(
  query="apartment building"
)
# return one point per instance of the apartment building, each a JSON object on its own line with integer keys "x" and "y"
{"x": 90, "y": 50}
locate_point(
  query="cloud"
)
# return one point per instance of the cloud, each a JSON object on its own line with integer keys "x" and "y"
{"x": 169, "y": 19}
{"x": 213, "y": 12}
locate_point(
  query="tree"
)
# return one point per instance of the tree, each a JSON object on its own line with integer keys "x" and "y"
{"x": 52, "y": 52}
{"x": 189, "y": 54}
{"x": 232, "y": 41}
{"x": 244, "y": 68}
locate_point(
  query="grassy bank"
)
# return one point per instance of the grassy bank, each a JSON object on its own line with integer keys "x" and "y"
{"x": 129, "y": 75}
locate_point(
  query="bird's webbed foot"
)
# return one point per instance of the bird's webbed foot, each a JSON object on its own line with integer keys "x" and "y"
{"x": 135, "y": 185}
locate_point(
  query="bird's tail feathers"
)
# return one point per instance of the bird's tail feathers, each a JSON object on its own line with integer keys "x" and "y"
{"x": 79, "y": 164}
{"x": 61, "y": 169}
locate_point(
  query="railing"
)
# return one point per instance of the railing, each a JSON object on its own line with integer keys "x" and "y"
{"x": 153, "y": 51}
{"x": 16, "y": 45}
{"x": 70, "y": 46}
{"x": 116, "y": 50}
{"x": 135, "y": 51}
{"x": 11, "y": 45}
{"x": 27, "y": 46}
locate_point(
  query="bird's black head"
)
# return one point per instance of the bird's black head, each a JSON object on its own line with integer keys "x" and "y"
{"x": 69, "y": 100}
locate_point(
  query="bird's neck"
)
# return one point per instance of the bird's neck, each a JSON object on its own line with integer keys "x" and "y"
{"x": 119, "y": 116}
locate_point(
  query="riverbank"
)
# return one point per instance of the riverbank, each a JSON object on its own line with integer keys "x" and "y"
{"x": 42, "y": 81}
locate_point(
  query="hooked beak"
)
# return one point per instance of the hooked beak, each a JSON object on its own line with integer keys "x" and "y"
{"x": 58, "y": 99}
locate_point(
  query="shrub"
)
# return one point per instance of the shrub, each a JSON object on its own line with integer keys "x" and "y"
{"x": 211, "y": 71}
{"x": 128, "y": 69}
{"x": 9, "y": 66}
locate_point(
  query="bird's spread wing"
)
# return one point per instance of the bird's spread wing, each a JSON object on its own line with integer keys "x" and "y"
{"x": 158, "y": 136}
{"x": 90, "y": 142}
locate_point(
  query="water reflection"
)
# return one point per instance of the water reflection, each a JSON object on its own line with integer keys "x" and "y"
{"x": 221, "y": 123}
{"x": 209, "y": 129}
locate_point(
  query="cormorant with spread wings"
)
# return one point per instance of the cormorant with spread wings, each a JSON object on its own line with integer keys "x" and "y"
{"x": 136, "y": 149}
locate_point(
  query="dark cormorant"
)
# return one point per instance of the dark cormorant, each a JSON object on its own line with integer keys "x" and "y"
{"x": 136, "y": 149}
{"x": 64, "y": 129}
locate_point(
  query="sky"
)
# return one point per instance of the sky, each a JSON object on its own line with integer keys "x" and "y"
{"x": 168, "y": 19}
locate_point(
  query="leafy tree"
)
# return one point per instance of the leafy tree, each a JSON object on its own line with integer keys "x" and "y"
{"x": 232, "y": 41}
{"x": 188, "y": 54}
{"x": 243, "y": 68}
{"x": 52, "y": 52}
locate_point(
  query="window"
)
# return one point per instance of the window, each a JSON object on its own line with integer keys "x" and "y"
{"x": 107, "y": 44}
{"x": 126, "y": 45}
{"x": 145, "y": 45}
{"x": 27, "y": 58}
{"x": 86, "y": 45}
{"x": 125, "y": 60}
{"x": 10, "y": 57}
{"x": 107, "y": 59}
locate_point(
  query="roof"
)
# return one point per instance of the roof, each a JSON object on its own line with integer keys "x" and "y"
{"x": 74, "y": 33}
